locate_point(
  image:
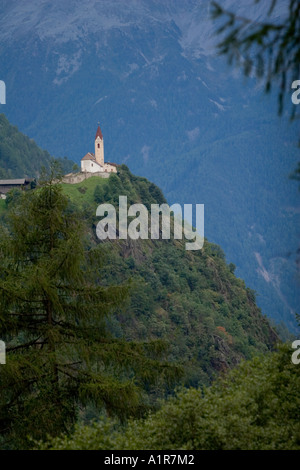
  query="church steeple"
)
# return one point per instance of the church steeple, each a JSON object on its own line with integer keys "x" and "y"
{"x": 99, "y": 133}
{"x": 99, "y": 147}
{"x": 94, "y": 163}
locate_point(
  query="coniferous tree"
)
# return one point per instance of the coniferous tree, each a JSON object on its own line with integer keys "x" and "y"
{"x": 53, "y": 312}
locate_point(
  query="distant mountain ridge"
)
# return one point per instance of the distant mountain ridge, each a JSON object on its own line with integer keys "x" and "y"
{"x": 172, "y": 111}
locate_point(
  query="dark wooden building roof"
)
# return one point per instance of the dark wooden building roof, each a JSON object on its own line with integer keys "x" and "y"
{"x": 7, "y": 185}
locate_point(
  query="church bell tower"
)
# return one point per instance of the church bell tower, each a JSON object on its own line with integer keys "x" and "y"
{"x": 99, "y": 147}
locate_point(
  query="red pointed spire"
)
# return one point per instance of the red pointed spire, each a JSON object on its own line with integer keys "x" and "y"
{"x": 99, "y": 133}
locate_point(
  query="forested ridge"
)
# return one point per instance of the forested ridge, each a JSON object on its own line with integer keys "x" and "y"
{"x": 107, "y": 329}
{"x": 118, "y": 343}
{"x": 191, "y": 299}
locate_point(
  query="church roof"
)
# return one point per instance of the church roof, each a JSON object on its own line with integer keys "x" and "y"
{"x": 99, "y": 133}
{"x": 89, "y": 156}
{"x": 15, "y": 181}
{"x": 112, "y": 164}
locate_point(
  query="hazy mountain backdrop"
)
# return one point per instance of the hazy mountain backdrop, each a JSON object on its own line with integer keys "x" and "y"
{"x": 169, "y": 108}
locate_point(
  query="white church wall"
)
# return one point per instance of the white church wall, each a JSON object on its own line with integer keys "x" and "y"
{"x": 91, "y": 166}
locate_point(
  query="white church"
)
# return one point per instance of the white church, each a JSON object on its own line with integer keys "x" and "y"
{"x": 94, "y": 163}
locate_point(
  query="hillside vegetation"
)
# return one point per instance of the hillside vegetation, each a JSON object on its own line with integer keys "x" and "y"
{"x": 190, "y": 299}
{"x": 97, "y": 329}
{"x": 256, "y": 407}
{"x": 20, "y": 156}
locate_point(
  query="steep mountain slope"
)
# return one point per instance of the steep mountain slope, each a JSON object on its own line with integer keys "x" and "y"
{"x": 20, "y": 156}
{"x": 191, "y": 299}
{"x": 171, "y": 110}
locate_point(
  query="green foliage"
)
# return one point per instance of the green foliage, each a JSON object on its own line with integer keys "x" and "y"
{"x": 20, "y": 156}
{"x": 12, "y": 196}
{"x": 272, "y": 48}
{"x": 53, "y": 318}
{"x": 254, "y": 407}
{"x": 190, "y": 300}
{"x": 58, "y": 285}
{"x": 98, "y": 194}
{"x": 232, "y": 267}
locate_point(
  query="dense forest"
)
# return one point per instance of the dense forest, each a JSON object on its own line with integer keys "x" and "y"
{"x": 255, "y": 407}
{"x": 191, "y": 299}
{"x": 128, "y": 344}
{"x": 100, "y": 334}
{"x": 20, "y": 156}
